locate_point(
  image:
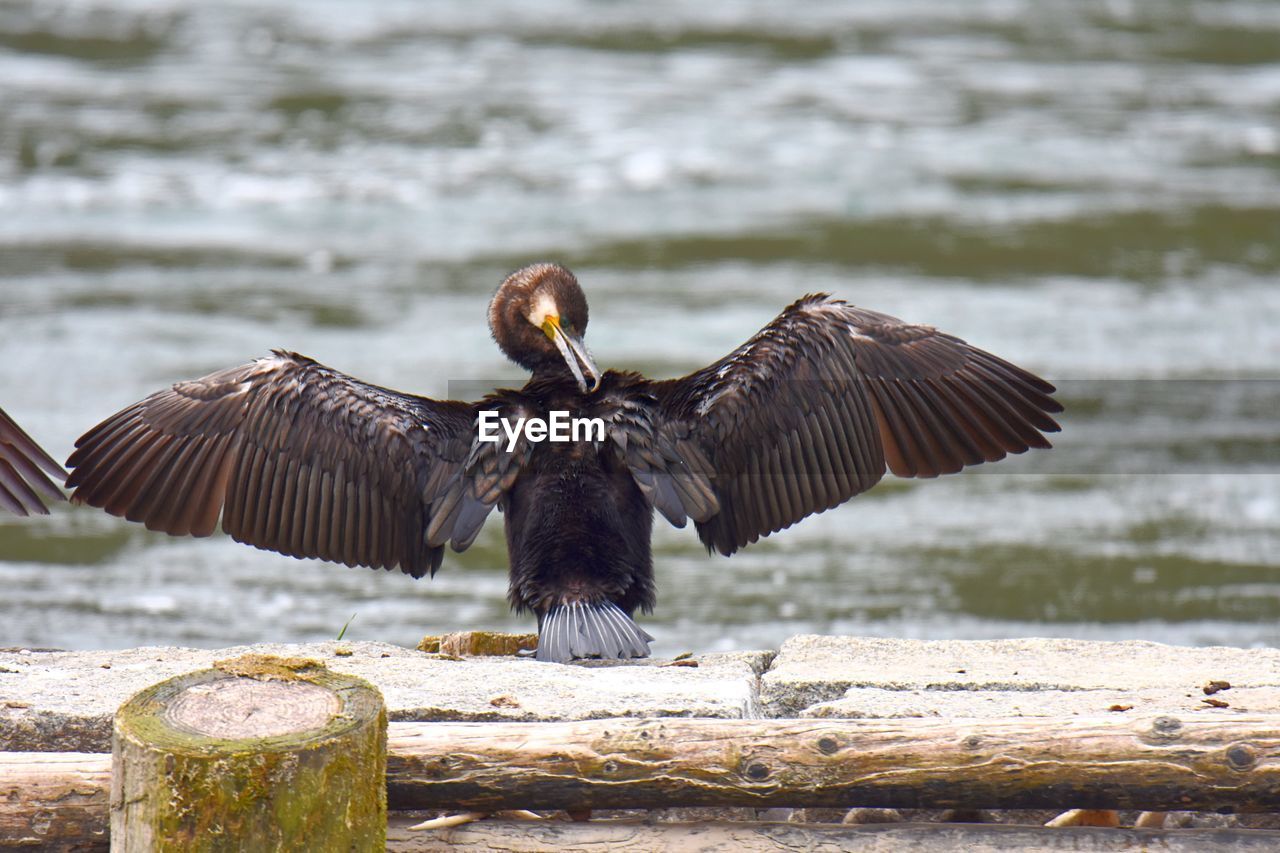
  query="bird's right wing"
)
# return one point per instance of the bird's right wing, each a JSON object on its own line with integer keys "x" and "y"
{"x": 297, "y": 458}
{"x": 21, "y": 474}
{"x": 809, "y": 411}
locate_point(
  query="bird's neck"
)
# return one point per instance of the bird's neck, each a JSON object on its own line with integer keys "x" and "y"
{"x": 552, "y": 373}
{"x": 555, "y": 384}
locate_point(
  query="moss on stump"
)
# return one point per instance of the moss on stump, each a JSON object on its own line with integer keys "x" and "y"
{"x": 258, "y": 754}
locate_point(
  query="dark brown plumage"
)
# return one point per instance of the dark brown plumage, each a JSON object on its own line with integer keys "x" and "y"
{"x": 25, "y": 469}
{"x": 303, "y": 460}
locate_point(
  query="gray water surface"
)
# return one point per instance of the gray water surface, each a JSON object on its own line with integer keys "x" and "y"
{"x": 1091, "y": 189}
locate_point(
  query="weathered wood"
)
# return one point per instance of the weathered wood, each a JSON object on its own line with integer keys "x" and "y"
{"x": 53, "y": 800}
{"x": 625, "y": 837}
{"x": 262, "y": 753}
{"x": 1161, "y": 763}
{"x": 1101, "y": 762}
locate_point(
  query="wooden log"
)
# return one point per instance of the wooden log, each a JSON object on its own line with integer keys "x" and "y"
{"x": 1157, "y": 764}
{"x": 1102, "y": 762}
{"x": 53, "y": 800}
{"x": 631, "y": 837}
{"x": 257, "y": 753}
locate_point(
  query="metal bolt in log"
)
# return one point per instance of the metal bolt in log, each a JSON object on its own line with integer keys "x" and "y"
{"x": 259, "y": 753}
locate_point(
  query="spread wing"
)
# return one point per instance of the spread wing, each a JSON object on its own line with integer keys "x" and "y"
{"x": 807, "y": 414}
{"x": 25, "y": 469}
{"x": 296, "y": 457}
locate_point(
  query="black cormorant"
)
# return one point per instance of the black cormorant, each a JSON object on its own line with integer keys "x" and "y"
{"x": 21, "y": 474}
{"x": 304, "y": 460}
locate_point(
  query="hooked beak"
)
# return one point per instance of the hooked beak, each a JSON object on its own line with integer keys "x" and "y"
{"x": 574, "y": 353}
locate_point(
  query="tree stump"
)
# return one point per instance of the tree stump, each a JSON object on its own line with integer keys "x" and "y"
{"x": 258, "y": 753}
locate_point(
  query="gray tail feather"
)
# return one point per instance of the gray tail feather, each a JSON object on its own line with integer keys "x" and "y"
{"x": 590, "y": 630}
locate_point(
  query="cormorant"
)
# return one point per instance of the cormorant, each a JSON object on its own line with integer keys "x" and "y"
{"x": 21, "y": 461}
{"x": 301, "y": 459}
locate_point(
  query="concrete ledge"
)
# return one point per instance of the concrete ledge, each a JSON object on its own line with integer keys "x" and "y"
{"x": 875, "y": 678}
{"x": 63, "y": 701}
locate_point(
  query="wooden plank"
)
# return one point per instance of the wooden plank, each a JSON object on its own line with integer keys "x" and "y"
{"x": 629, "y": 837}
{"x": 1159, "y": 764}
{"x": 49, "y": 800}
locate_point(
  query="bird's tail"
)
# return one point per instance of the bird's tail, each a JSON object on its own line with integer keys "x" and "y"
{"x": 590, "y": 630}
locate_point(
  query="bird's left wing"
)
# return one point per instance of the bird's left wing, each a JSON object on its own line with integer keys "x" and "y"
{"x": 296, "y": 457}
{"x": 25, "y": 469}
{"x": 808, "y": 412}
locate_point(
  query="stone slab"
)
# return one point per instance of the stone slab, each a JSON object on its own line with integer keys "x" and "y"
{"x": 875, "y": 677}
{"x": 878, "y": 703}
{"x": 64, "y": 701}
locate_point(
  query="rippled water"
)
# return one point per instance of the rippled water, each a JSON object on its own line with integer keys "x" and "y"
{"x": 1091, "y": 189}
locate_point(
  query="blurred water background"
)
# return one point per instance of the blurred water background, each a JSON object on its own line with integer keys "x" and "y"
{"x": 1091, "y": 189}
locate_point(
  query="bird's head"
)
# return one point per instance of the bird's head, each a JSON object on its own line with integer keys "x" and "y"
{"x": 538, "y": 318}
